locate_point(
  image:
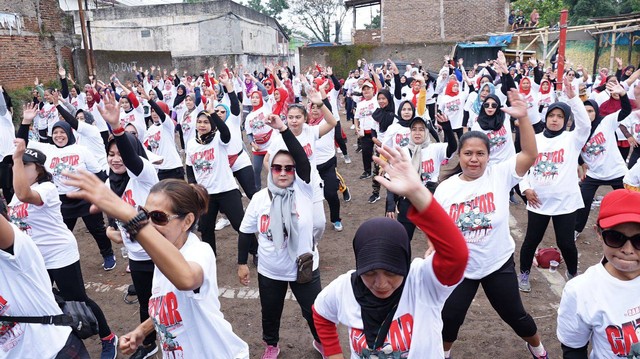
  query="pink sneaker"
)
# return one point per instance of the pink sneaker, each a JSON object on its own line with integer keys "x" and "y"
{"x": 317, "y": 346}
{"x": 271, "y": 352}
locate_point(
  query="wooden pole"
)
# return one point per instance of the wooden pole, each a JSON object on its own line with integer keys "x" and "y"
{"x": 562, "y": 43}
{"x": 614, "y": 37}
{"x": 87, "y": 52}
{"x": 596, "y": 57}
{"x": 545, "y": 44}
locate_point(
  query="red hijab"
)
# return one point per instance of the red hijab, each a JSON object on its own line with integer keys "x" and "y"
{"x": 256, "y": 108}
{"x": 521, "y": 90}
{"x": 449, "y": 90}
{"x": 543, "y": 91}
{"x": 281, "y": 106}
{"x": 272, "y": 82}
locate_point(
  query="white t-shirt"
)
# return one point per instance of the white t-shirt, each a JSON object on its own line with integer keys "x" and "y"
{"x": 307, "y": 138}
{"x": 211, "y": 165}
{"x": 48, "y": 117}
{"x": 255, "y": 124}
{"x": 432, "y": 157}
{"x": 453, "y": 108}
{"x": 70, "y": 158}
{"x": 601, "y": 152}
{"x": 633, "y": 176}
{"x": 25, "y": 290}
{"x": 533, "y": 104}
{"x": 7, "y": 136}
{"x": 190, "y": 324}
{"x": 45, "y": 226}
{"x": 188, "y": 122}
{"x": 325, "y": 145}
{"x": 632, "y": 123}
{"x": 364, "y": 112}
{"x": 599, "y": 308}
{"x": 500, "y": 141}
{"x": 101, "y": 124}
{"x": 416, "y": 330}
{"x": 160, "y": 138}
{"x": 480, "y": 209}
{"x": 397, "y": 135}
{"x": 238, "y": 158}
{"x": 135, "y": 194}
{"x": 275, "y": 263}
{"x": 89, "y": 137}
{"x": 136, "y": 118}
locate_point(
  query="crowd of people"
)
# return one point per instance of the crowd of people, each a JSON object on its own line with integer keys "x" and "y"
{"x": 163, "y": 156}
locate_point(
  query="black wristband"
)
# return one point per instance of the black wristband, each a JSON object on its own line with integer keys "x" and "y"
{"x": 134, "y": 226}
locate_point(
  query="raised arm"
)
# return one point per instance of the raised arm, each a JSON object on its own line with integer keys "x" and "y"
{"x": 303, "y": 167}
{"x": 21, "y": 184}
{"x": 527, "y": 156}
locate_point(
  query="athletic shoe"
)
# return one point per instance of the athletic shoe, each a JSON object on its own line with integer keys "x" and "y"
{"x": 545, "y": 356}
{"x": 576, "y": 234}
{"x": 109, "y": 348}
{"x": 570, "y": 276}
{"x": 145, "y": 352}
{"x": 338, "y": 150}
{"x": 513, "y": 199}
{"x": 353, "y": 127}
{"x": 347, "y": 159}
{"x": 337, "y": 225}
{"x": 346, "y": 195}
{"x": 318, "y": 347}
{"x": 109, "y": 262}
{"x": 523, "y": 282}
{"x": 271, "y": 352}
{"x": 359, "y": 149}
{"x": 374, "y": 198}
{"x": 365, "y": 175}
{"x": 222, "y": 222}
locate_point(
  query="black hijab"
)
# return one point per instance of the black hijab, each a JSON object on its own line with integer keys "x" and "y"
{"x": 207, "y": 137}
{"x": 379, "y": 243}
{"x": 597, "y": 120}
{"x": 385, "y": 116}
{"x": 406, "y": 123}
{"x": 179, "y": 98}
{"x": 71, "y": 139}
{"x": 566, "y": 109}
{"x": 491, "y": 123}
{"x": 118, "y": 182}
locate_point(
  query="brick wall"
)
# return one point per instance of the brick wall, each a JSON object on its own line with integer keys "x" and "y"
{"x": 45, "y": 43}
{"x": 373, "y": 36}
{"x": 420, "y": 21}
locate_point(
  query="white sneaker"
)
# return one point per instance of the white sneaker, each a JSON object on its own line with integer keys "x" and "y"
{"x": 338, "y": 150}
{"x": 347, "y": 159}
{"x": 222, "y": 222}
{"x": 353, "y": 127}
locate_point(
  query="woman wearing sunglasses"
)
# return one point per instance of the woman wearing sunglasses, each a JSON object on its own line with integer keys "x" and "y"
{"x": 496, "y": 124}
{"x": 552, "y": 185}
{"x": 283, "y": 219}
{"x": 131, "y": 177}
{"x": 184, "y": 306}
{"x": 478, "y": 202}
{"x": 600, "y": 306}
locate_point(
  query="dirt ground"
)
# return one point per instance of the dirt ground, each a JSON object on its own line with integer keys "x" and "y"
{"x": 483, "y": 335}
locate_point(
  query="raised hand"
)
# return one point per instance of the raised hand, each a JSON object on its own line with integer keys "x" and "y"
{"x": 275, "y": 122}
{"x": 329, "y": 70}
{"x": 314, "y": 96}
{"x": 29, "y": 112}
{"x": 518, "y": 107}
{"x": 36, "y": 81}
{"x": 62, "y": 72}
{"x": 617, "y": 89}
{"x": 21, "y": 146}
{"x": 404, "y": 179}
{"x": 619, "y": 62}
{"x": 110, "y": 111}
{"x": 568, "y": 89}
{"x": 441, "y": 117}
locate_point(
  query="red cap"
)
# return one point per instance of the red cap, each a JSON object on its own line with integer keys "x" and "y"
{"x": 163, "y": 106}
{"x": 619, "y": 206}
{"x": 367, "y": 83}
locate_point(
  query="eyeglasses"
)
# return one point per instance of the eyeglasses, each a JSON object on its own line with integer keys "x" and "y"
{"x": 160, "y": 218}
{"x": 615, "y": 239}
{"x": 572, "y": 75}
{"x": 490, "y": 105}
{"x": 287, "y": 168}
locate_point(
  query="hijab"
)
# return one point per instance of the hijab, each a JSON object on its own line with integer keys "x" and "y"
{"x": 610, "y": 106}
{"x": 283, "y": 214}
{"x": 179, "y": 98}
{"x": 71, "y": 139}
{"x": 491, "y": 123}
{"x": 249, "y": 84}
{"x": 281, "y": 105}
{"x": 313, "y": 121}
{"x": 402, "y": 122}
{"x": 379, "y": 243}
{"x": 226, "y": 108}
{"x": 521, "y": 90}
{"x": 416, "y": 149}
{"x": 384, "y": 116}
{"x": 566, "y": 109}
{"x": 95, "y": 98}
{"x": 449, "y": 90}
{"x": 207, "y": 137}
{"x": 477, "y": 104}
{"x": 118, "y": 182}
{"x": 256, "y": 108}
{"x": 597, "y": 120}
{"x": 624, "y": 76}
{"x": 548, "y": 90}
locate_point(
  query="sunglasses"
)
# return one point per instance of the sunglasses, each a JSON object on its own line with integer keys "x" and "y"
{"x": 286, "y": 168}
{"x": 615, "y": 239}
{"x": 490, "y": 105}
{"x": 267, "y": 84}
{"x": 160, "y": 218}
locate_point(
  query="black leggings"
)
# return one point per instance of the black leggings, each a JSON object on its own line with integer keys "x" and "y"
{"x": 142, "y": 277}
{"x": 375, "y": 185}
{"x": 501, "y": 288}
{"x": 624, "y": 151}
{"x": 191, "y": 176}
{"x": 459, "y": 132}
{"x": 588, "y": 188}
{"x": 247, "y": 180}
{"x": 71, "y": 286}
{"x": 176, "y": 173}
{"x": 95, "y": 226}
{"x": 367, "y": 152}
{"x": 563, "y": 225}
{"x": 73, "y": 349}
{"x": 6, "y": 178}
{"x": 327, "y": 172}
{"x": 339, "y": 140}
{"x": 230, "y": 203}
{"x": 272, "y": 295}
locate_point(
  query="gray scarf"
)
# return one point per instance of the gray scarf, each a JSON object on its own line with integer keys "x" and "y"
{"x": 416, "y": 153}
{"x": 283, "y": 216}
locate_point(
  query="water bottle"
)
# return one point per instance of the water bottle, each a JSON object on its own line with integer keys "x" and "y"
{"x": 124, "y": 253}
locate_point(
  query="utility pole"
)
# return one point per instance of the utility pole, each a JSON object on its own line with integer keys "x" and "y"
{"x": 564, "y": 15}
{"x": 87, "y": 52}
{"x": 93, "y": 58}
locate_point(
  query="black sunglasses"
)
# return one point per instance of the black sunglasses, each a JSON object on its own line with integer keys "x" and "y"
{"x": 615, "y": 239}
{"x": 490, "y": 105}
{"x": 279, "y": 168}
{"x": 160, "y": 218}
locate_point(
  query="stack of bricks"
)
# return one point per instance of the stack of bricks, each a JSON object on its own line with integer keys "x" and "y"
{"x": 43, "y": 43}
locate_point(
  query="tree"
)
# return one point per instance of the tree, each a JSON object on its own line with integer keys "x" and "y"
{"x": 274, "y": 8}
{"x": 580, "y": 11}
{"x": 549, "y": 10}
{"x": 375, "y": 23}
{"x": 319, "y": 17}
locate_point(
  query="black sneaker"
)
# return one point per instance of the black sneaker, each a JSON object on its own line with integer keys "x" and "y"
{"x": 145, "y": 352}
{"x": 365, "y": 175}
{"x": 346, "y": 195}
{"x": 374, "y": 198}
{"x": 359, "y": 149}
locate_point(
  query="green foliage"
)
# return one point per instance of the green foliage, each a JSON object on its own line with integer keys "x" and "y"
{"x": 375, "y": 23}
{"x": 273, "y": 8}
{"x": 580, "y": 11}
{"x": 344, "y": 58}
{"x": 22, "y": 96}
{"x": 549, "y": 10}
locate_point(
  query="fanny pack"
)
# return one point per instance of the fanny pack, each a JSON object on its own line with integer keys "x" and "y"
{"x": 76, "y": 315}
{"x": 305, "y": 268}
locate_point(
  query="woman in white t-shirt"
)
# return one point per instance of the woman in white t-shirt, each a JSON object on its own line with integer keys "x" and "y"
{"x": 478, "y": 202}
{"x": 390, "y": 304}
{"x": 35, "y": 210}
{"x": 283, "y": 219}
{"x": 160, "y": 139}
{"x": 184, "y": 305}
{"x": 451, "y": 103}
{"x": 25, "y": 290}
{"x": 131, "y": 111}
{"x": 496, "y": 124}
{"x": 260, "y": 135}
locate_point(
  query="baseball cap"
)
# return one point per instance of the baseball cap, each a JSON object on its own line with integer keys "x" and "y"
{"x": 367, "y": 83}
{"x": 619, "y": 206}
{"x": 35, "y": 156}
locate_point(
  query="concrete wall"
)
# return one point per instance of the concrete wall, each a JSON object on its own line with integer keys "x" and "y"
{"x": 45, "y": 42}
{"x": 122, "y": 63}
